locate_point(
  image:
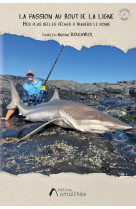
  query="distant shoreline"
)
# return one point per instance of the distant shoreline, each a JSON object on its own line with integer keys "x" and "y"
{"x": 118, "y": 82}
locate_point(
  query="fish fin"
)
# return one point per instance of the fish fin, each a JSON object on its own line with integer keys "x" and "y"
{"x": 37, "y": 129}
{"x": 11, "y": 106}
{"x": 55, "y": 96}
{"x": 15, "y": 97}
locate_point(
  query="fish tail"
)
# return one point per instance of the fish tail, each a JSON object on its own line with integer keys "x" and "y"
{"x": 15, "y": 97}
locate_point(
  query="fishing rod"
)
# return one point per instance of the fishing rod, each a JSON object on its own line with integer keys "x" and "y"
{"x": 53, "y": 66}
{"x": 43, "y": 86}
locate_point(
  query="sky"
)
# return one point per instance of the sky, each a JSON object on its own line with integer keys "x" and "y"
{"x": 88, "y": 65}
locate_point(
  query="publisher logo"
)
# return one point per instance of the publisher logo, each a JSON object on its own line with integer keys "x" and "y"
{"x": 53, "y": 191}
{"x": 62, "y": 192}
{"x": 124, "y": 14}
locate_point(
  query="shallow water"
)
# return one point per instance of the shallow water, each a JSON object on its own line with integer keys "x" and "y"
{"x": 125, "y": 141}
{"x": 117, "y": 102}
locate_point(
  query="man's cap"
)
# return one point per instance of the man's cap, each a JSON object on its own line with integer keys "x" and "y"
{"x": 30, "y": 71}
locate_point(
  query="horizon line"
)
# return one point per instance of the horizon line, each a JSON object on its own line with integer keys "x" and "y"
{"x": 71, "y": 80}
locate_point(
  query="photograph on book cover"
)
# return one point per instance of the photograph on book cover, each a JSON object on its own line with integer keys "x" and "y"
{"x": 68, "y": 94}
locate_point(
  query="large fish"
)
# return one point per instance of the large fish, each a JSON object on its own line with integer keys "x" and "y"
{"x": 67, "y": 114}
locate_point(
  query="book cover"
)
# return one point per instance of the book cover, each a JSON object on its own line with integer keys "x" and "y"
{"x": 73, "y": 141}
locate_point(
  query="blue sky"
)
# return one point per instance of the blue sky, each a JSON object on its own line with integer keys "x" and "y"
{"x": 88, "y": 65}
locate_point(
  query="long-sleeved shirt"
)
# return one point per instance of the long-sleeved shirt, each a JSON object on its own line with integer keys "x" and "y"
{"x": 32, "y": 88}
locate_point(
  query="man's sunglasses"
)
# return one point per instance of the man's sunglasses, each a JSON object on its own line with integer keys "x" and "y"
{"x": 30, "y": 74}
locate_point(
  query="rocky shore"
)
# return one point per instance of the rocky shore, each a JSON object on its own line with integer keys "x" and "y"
{"x": 56, "y": 150}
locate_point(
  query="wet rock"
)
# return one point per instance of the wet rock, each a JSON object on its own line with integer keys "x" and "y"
{"x": 116, "y": 112}
{"x": 132, "y": 136}
{"x": 57, "y": 150}
{"x": 119, "y": 96}
{"x": 132, "y": 91}
{"x": 125, "y": 141}
{"x": 117, "y": 102}
{"x": 115, "y": 89}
